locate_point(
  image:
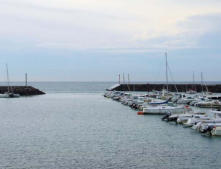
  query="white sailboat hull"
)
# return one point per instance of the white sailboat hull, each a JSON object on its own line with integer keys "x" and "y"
{"x": 9, "y": 95}
{"x": 4, "y": 96}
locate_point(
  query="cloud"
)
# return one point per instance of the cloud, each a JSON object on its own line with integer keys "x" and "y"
{"x": 194, "y": 32}
{"x": 109, "y": 24}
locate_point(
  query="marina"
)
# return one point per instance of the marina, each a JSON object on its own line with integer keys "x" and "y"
{"x": 115, "y": 84}
{"x": 181, "y": 108}
{"x": 176, "y": 102}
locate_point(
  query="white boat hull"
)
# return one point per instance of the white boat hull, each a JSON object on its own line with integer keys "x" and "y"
{"x": 9, "y": 95}
{"x": 163, "y": 110}
{"x": 216, "y": 131}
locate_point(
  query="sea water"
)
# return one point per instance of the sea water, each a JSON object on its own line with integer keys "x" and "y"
{"x": 74, "y": 126}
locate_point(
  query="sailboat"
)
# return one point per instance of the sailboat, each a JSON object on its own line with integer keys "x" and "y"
{"x": 193, "y": 90}
{"x": 9, "y": 93}
{"x": 165, "y": 94}
{"x": 161, "y": 108}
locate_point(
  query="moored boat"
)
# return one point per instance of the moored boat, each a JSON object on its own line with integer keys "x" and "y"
{"x": 163, "y": 109}
{"x": 10, "y": 93}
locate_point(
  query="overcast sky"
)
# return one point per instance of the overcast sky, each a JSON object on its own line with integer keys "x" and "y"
{"x": 94, "y": 40}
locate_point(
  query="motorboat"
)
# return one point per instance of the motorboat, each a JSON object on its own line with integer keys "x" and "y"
{"x": 214, "y": 119}
{"x": 184, "y": 118}
{"x": 216, "y": 131}
{"x": 181, "y": 118}
{"x": 164, "y": 109}
{"x": 159, "y": 101}
{"x": 195, "y": 119}
{"x": 185, "y": 100}
{"x": 211, "y": 128}
{"x": 209, "y": 104}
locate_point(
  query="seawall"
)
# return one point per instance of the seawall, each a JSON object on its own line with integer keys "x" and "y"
{"x": 22, "y": 90}
{"x": 172, "y": 87}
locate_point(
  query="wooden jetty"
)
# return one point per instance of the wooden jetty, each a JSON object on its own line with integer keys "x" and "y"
{"x": 22, "y": 90}
{"x": 216, "y": 88}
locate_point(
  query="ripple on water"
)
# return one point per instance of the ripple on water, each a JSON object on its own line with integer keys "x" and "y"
{"x": 89, "y": 131}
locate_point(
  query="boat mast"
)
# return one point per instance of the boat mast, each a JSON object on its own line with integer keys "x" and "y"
{"x": 128, "y": 84}
{"x": 166, "y": 72}
{"x": 26, "y": 79}
{"x": 7, "y": 78}
{"x": 123, "y": 79}
{"x": 202, "y": 81}
{"x": 193, "y": 81}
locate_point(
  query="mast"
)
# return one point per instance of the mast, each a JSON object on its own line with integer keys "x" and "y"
{"x": 128, "y": 83}
{"x": 166, "y": 72}
{"x": 119, "y": 78}
{"x": 204, "y": 83}
{"x": 193, "y": 81}
{"x": 7, "y": 78}
{"x": 201, "y": 75}
{"x": 26, "y": 79}
{"x": 123, "y": 79}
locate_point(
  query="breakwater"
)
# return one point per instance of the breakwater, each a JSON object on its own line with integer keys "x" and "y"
{"x": 22, "y": 90}
{"x": 216, "y": 88}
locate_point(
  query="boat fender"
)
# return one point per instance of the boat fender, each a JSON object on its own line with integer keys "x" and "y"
{"x": 140, "y": 113}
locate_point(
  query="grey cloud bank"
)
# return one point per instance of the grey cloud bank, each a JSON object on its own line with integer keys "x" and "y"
{"x": 73, "y": 43}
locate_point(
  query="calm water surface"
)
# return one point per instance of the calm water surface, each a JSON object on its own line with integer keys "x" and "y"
{"x": 73, "y": 128}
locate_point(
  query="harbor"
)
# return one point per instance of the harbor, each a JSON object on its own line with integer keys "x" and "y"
{"x": 199, "y": 111}
{"x": 115, "y": 84}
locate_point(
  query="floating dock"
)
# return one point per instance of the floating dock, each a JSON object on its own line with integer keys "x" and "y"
{"x": 216, "y": 88}
{"x": 22, "y": 90}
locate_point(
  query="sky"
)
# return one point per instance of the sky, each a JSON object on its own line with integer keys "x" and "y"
{"x": 95, "y": 40}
